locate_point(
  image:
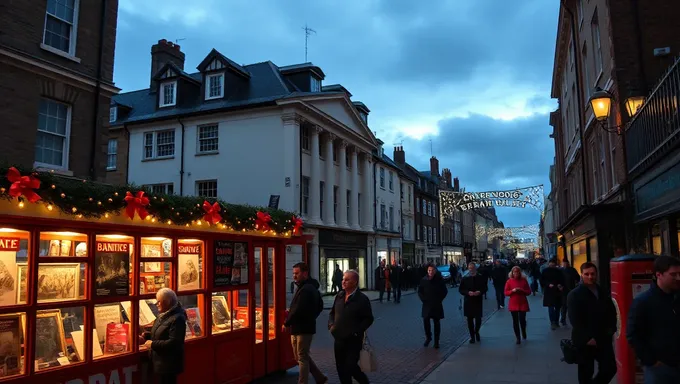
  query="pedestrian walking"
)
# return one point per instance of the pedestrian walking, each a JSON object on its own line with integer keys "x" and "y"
{"x": 432, "y": 291}
{"x": 380, "y": 282}
{"x": 453, "y": 271}
{"x": 653, "y": 320}
{"x": 472, "y": 288}
{"x": 499, "y": 275}
{"x": 552, "y": 280}
{"x": 305, "y": 307}
{"x": 593, "y": 319}
{"x": 350, "y": 317}
{"x": 166, "y": 339}
{"x": 396, "y": 271}
{"x": 535, "y": 273}
{"x": 571, "y": 280}
{"x": 337, "y": 279}
{"x": 517, "y": 288}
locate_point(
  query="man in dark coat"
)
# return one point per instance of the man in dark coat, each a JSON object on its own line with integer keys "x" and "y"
{"x": 552, "y": 280}
{"x": 337, "y": 279}
{"x": 593, "y": 319}
{"x": 396, "y": 272}
{"x": 432, "y": 291}
{"x": 472, "y": 288}
{"x": 379, "y": 276}
{"x": 571, "y": 280}
{"x": 499, "y": 275}
{"x": 166, "y": 339}
{"x": 350, "y": 317}
{"x": 453, "y": 271}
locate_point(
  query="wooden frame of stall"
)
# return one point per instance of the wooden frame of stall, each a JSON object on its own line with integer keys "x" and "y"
{"x": 236, "y": 354}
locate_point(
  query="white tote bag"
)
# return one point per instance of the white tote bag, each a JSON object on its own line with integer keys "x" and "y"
{"x": 368, "y": 362}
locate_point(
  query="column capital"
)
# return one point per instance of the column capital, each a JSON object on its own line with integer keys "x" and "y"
{"x": 344, "y": 144}
{"x": 291, "y": 118}
{"x": 316, "y": 130}
{"x": 331, "y": 136}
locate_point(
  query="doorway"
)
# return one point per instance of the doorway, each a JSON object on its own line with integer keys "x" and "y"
{"x": 266, "y": 356}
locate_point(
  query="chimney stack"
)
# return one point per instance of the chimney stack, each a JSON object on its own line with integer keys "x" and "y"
{"x": 399, "y": 156}
{"x": 162, "y": 53}
{"x": 434, "y": 166}
{"x": 456, "y": 184}
{"x": 446, "y": 173}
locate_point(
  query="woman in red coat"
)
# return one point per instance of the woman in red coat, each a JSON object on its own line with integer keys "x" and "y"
{"x": 517, "y": 289}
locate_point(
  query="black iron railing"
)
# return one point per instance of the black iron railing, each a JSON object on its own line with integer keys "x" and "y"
{"x": 655, "y": 129}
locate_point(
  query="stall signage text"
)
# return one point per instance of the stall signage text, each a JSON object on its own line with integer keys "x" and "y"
{"x": 112, "y": 247}
{"x": 189, "y": 249}
{"x": 9, "y": 244}
{"x": 116, "y": 376}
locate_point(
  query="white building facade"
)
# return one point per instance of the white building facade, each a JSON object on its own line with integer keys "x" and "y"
{"x": 387, "y": 209}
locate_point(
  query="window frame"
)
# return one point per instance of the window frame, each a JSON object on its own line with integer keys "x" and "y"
{"x": 305, "y": 195}
{"x": 314, "y": 84}
{"x": 305, "y": 138}
{"x": 208, "y": 88}
{"x": 161, "y": 94}
{"x": 113, "y": 114}
{"x": 73, "y": 38}
{"x": 154, "y": 145}
{"x": 166, "y": 188}
{"x": 67, "y": 138}
{"x": 197, "y": 188}
{"x": 382, "y": 177}
{"x": 199, "y": 139}
{"x": 113, "y": 155}
{"x": 596, "y": 37}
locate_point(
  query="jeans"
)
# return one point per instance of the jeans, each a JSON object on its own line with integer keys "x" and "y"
{"x": 606, "y": 363}
{"x": 662, "y": 375}
{"x": 500, "y": 296}
{"x": 301, "y": 346}
{"x": 554, "y": 314}
{"x": 519, "y": 322}
{"x": 347, "y": 353}
{"x": 428, "y": 329}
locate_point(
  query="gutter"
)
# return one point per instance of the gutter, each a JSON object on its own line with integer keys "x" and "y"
{"x": 181, "y": 160}
{"x": 96, "y": 123}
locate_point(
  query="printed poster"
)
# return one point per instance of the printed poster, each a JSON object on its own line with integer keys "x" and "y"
{"x": 112, "y": 264}
{"x": 187, "y": 266}
{"x": 223, "y": 263}
{"x": 8, "y": 270}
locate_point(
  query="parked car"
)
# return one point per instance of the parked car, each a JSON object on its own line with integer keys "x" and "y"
{"x": 444, "y": 270}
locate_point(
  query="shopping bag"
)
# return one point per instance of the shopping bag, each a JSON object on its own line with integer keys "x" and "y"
{"x": 368, "y": 361}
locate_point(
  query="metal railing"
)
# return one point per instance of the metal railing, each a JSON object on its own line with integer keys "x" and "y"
{"x": 655, "y": 128}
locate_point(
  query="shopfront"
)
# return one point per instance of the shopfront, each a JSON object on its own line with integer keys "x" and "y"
{"x": 344, "y": 250}
{"x": 77, "y": 292}
{"x": 454, "y": 255}
{"x": 433, "y": 255}
{"x": 388, "y": 249}
{"x": 408, "y": 250}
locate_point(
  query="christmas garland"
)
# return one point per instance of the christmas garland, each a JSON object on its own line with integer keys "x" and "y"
{"x": 83, "y": 198}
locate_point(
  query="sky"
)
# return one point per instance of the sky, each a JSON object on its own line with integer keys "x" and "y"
{"x": 467, "y": 81}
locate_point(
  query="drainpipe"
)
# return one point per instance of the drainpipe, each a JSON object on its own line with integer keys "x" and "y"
{"x": 96, "y": 120}
{"x": 181, "y": 161}
{"x": 375, "y": 212}
{"x": 126, "y": 132}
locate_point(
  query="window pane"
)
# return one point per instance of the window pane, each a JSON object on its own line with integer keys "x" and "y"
{"x": 193, "y": 304}
{"x": 156, "y": 247}
{"x": 271, "y": 292}
{"x": 165, "y": 143}
{"x": 189, "y": 264}
{"x": 208, "y": 138}
{"x": 49, "y": 149}
{"x": 113, "y": 329}
{"x": 153, "y": 276}
{"x": 221, "y": 312}
{"x": 61, "y": 281}
{"x": 113, "y": 265}
{"x": 59, "y": 337}
{"x": 14, "y": 336}
{"x": 257, "y": 260}
{"x": 63, "y": 244}
{"x": 241, "y": 309}
{"x": 57, "y": 34}
{"x": 14, "y": 265}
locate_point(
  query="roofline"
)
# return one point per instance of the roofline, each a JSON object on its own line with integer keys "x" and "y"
{"x": 308, "y": 66}
{"x": 559, "y": 41}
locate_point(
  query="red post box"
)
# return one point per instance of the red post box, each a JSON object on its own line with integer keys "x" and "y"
{"x": 630, "y": 276}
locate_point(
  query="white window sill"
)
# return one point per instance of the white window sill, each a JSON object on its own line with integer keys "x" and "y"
{"x": 214, "y": 98}
{"x": 207, "y": 153}
{"x": 60, "y": 53}
{"x": 158, "y": 158}
{"x": 109, "y": 169}
{"x": 48, "y": 168}
{"x": 166, "y": 105}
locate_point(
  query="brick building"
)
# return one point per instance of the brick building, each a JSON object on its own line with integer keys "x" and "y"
{"x": 607, "y": 45}
{"x": 56, "y": 61}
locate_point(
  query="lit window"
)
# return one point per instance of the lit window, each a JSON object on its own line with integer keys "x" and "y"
{"x": 54, "y": 131}
{"x": 61, "y": 18}
{"x": 168, "y": 94}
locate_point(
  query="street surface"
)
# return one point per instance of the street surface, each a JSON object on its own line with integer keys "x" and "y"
{"x": 397, "y": 336}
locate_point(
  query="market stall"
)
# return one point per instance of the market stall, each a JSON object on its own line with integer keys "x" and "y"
{"x": 81, "y": 262}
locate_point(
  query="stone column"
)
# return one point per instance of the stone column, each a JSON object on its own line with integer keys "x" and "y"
{"x": 313, "y": 205}
{"x": 367, "y": 204}
{"x": 342, "y": 185}
{"x": 354, "y": 196}
{"x": 328, "y": 218}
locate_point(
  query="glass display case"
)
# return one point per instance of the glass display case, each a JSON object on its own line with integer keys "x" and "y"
{"x": 12, "y": 339}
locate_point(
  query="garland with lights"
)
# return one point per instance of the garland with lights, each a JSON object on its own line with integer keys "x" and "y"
{"x": 87, "y": 199}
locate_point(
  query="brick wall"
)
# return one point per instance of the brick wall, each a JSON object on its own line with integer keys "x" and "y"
{"x": 119, "y": 175}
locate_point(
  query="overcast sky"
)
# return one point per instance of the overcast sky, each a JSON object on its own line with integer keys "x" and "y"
{"x": 471, "y": 76}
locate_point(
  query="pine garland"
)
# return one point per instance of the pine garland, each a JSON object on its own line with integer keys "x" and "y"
{"x": 89, "y": 199}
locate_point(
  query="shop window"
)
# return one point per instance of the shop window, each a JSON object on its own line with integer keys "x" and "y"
{"x": 113, "y": 266}
{"x": 14, "y": 266}
{"x": 193, "y": 305}
{"x": 154, "y": 275}
{"x": 222, "y": 312}
{"x": 271, "y": 294}
{"x": 113, "y": 329}
{"x": 13, "y": 337}
{"x": 59, "y": 337}
{"x": 190, "y": 264}
{"x": 63, "y": 244}
{"x": 156, "y": 247}
{"x": 60, "y": 281}
{"x": 656, "y": 239}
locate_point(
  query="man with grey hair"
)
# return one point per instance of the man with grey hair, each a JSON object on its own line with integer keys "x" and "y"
{"x": 350, "y": 317}
{"x": 166, "y": 339}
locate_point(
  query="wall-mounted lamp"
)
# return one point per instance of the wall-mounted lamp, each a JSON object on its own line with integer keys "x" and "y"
{"x": 601, "y": 102}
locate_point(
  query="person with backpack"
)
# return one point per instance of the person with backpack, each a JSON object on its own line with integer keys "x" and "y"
{"x": 305, "y": 307}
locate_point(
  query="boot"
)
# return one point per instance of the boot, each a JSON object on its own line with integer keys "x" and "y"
{"x": 524, "y": 333}
{"x": 477, "y": 336}
{"x": 427, "y": 342}
{"x": 518, "y": 342}
{"x": 436, "y": 344}
{"x": 472, "y": 338}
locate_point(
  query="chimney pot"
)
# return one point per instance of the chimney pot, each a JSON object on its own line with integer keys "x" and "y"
{"x": 162, "y": 53}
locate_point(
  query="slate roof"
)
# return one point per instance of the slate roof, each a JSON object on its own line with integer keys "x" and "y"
{"x": 264, "y": 86}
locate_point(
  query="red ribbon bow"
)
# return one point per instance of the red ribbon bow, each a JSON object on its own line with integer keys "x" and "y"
{"x": 136, "y": 203}
{"x": 212, "y": 213}
{"x": 23, "y": 185}
{"x": 262, "y": 221}
{"x": 297, "y": 225}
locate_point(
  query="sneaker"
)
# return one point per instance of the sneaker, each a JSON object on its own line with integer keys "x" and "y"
{"x": 502, "y": 307}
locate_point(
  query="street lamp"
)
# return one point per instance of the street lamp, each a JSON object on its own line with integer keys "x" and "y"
{"x": 601, "y": 103}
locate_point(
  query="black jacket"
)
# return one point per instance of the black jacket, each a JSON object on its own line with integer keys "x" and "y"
{"x": 591, "y": 317}
{"x": 473, "y": 305}
{"x": 167, "y": 347}
{"x": 432, "y": 294}
{"x": 653, "y": 329}
{"x": 552, "y": 296}
{"x": 499, "y": 276}
{"x": 571, "y": 279}
{"x": 305, "y": 307}
{"x": 351, "y": 318}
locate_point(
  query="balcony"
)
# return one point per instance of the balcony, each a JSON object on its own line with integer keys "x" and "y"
{"x": 654, "y": 130}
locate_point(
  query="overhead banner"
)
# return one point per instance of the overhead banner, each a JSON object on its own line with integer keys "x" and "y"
{"x": 528, "y": 197}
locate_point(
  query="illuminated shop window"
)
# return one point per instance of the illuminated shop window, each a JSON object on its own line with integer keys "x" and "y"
{"x": 59, "y": 337}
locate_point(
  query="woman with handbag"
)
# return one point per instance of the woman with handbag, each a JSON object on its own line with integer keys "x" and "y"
{"x": 517, "y": 288}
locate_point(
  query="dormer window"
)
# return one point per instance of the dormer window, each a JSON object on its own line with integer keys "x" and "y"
{"x": 214, "y": 87}
{"x": 168, "y": 94}
{"x": 364, "y": 117}
{"x": 315, "y": 85}
{"x": 113, "y": 114}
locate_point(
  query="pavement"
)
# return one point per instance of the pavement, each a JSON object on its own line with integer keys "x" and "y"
{"x": 497, "y": 359}
{"x": 372, "y": 295}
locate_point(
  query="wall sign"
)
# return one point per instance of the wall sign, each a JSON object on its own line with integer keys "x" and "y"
{"x": 339, "y": 239}
{"x": 9, "y": 244}
{"x": 661, "y": 190}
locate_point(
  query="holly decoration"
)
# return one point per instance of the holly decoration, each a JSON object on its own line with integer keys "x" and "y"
{"x": 93, "y": 200}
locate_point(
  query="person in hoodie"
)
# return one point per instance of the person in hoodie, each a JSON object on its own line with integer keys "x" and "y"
{"x": 499, "y": 275}
{"x": 166, "y": 339}
{"x": 305, "y": 307}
